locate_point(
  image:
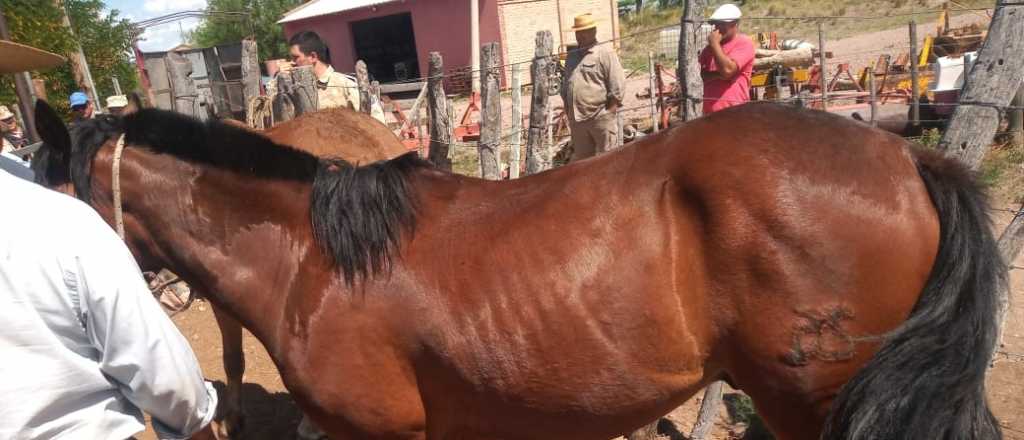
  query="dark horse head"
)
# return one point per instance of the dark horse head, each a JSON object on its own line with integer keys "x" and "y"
{"x": 358, "y": 213}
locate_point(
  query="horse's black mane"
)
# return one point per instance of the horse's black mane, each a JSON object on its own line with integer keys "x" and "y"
{"x": 358, "y": 213}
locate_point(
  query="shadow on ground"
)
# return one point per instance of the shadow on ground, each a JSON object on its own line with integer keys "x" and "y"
{"x": 268, "y": 416}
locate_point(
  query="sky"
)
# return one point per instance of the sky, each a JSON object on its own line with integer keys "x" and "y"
{"x": 161, "y": 37}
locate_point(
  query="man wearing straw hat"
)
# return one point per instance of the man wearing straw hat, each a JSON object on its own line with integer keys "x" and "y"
{"x": 116, "y": 104}
{"x": 727, "y": 63}
{"x": 13, "y": 137}
{"x": 86, "y": 348}
{"x": 592, "y": 90}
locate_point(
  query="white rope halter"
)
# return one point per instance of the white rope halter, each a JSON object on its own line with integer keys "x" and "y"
{"x": 116, "y": 176}
{"x": 119, "y": 221}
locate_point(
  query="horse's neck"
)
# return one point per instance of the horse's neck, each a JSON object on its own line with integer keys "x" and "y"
{"x": 243, "y": 242}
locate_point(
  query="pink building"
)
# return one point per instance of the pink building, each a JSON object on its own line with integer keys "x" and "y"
{"x": 395, "y": 37}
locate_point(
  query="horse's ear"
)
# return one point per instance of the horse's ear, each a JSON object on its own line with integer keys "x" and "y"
{"x": 134, "y": 104}
{"x": 51, "y": 128}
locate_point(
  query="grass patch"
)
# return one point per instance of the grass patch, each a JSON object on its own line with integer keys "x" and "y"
{"x": 741, "y": 411}
{"x": 465, "y": 161}
{"x": 1002, "y": 170}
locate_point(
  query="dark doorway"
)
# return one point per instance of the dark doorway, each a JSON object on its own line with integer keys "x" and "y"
{"x": 388, "y": 47}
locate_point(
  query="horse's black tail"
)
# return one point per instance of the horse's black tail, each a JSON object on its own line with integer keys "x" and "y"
{"x": 927, "y": 380}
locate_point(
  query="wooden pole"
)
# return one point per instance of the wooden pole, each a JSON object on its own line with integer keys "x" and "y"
{"x": 250, "y": 73}
{"x": 440, "y": 122}
{"x": 183, "y": 91}
{"x": 474, "y": 45}
{"x": 303, "y": 89}
{"x": 117, "y": 85}
{"x": 517, "y": 123}
{"x": 690, "y": 107}
{"x": 538, "y": 157}
{"x": 363, "y": 81}
{"x": 375, "y": 94}
{"x": 692, "y": 11}
{"x": 1010, "y": 244}
{"x": 778, "y": 86}
{"x": 654, "y": 92}
{"x": 490, "y": 113}
{"x": 23, "y": 89}
{"x": 988, "y": 86}
{"x": 708, "y": 411}
{"x": 915, "y": 88}
{"x": 873, "y": 97}
{"x": 79, "y": 65}
{"x": 1016, "y": 118}
{"x": 823, "y": 75}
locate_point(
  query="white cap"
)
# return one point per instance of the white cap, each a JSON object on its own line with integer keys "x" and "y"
{"x": 726, "y": 12}
{"x": 117, "y": 101}
{"x": 5, "y": 113}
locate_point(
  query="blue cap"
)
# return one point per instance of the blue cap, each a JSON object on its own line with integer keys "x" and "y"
{"x": 79, "y": 98}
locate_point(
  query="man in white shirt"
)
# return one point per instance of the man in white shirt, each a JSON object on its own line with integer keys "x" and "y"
{"x": 85, "y": 347}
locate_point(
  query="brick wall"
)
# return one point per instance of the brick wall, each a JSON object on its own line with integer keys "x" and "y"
{"x": 521, "y": 20}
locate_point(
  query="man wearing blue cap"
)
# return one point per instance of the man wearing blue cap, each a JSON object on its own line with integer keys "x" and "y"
{"x": 81, "y": 107}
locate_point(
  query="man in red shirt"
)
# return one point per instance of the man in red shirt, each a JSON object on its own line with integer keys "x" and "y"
{"x": 727, "y": 62}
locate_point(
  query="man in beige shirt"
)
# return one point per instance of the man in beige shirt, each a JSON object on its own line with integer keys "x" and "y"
{"x": 333, "y": 88}
{"x": 592, "y": 91}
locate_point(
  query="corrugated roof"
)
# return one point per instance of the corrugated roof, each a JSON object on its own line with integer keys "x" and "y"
{"x": 317, "y": 8}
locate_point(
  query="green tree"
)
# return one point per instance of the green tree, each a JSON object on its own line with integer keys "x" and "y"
{"x": 105, "y": 40}
{"x": 264, "y": 14}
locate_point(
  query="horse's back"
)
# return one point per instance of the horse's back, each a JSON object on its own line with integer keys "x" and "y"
{"x": 339, "y": 133}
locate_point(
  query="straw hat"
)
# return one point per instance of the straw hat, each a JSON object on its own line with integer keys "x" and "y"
{"x": 5, "y": 113}
{"x": 115, "y": 101}
{"x": 583, "y": 22}
{"x": 16, "y": 58}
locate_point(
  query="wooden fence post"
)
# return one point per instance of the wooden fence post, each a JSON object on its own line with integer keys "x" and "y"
{"x": 517, "y": 124}
{"x": 490, "y": 112}
{"x": 183, "y": 91}
{"x": 654, "y": 92}
{"x": 691, "y": 106}
{"x": 440, "y": 120}
{"x": 778, "y": 87}
{"x": 915, "y": 88}
{"x": 708, "y": 411}
{"x": 538, "y": 156}
{"x": 117, "y": 85}
{"x": 363, "y": 82}
{"x": 1016, "y": 118}
{"x": 823, "y": 72}
{"x": 989, "y": 85}
{"x": 250, "y": 74}
{"x": 873, "y": 96}
{"x": 303, "y": 89}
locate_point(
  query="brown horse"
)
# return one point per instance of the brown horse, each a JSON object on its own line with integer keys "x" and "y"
{"x": 843, "y": 280}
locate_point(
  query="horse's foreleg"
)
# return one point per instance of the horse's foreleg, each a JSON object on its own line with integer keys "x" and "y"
{"x": 234, "y": 367}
